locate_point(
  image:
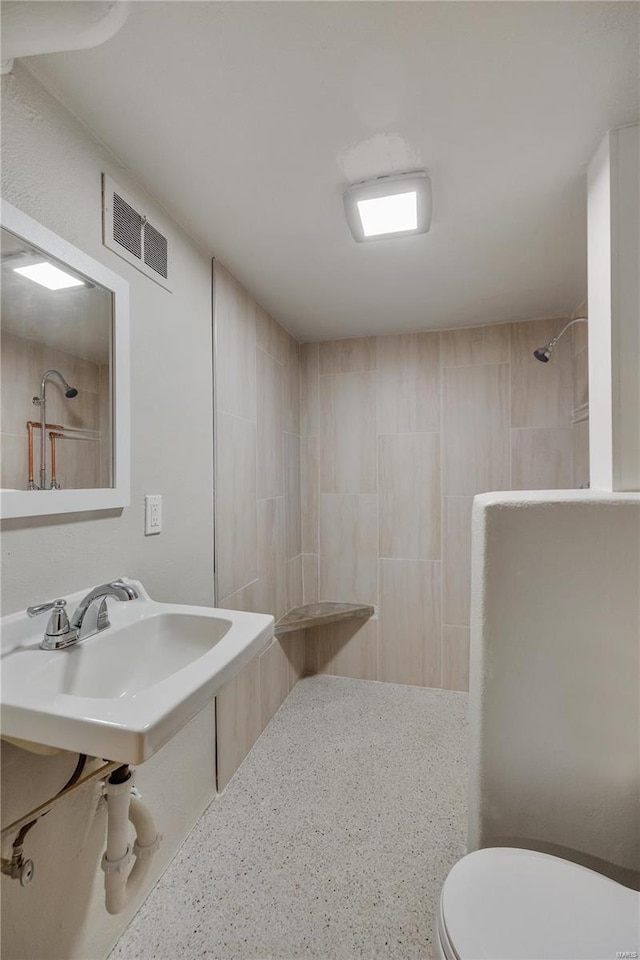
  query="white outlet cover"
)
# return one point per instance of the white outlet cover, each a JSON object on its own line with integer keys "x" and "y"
{"x": 152, "y": 514}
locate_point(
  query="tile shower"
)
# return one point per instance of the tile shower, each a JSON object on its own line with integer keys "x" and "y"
{"x": 80, "y": 464}
{"x": 346, "y": 470}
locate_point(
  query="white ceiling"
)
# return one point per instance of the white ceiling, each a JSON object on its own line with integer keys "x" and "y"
{"x": 248, "y": 119}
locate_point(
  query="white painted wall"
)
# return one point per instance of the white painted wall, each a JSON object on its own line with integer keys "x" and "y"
{"x": 614, "y": 311}
{"x": 554, "y": 693}
{"x": 51, "y": 170}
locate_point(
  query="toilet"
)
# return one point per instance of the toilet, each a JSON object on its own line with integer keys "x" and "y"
{"x": 503, "y": 903}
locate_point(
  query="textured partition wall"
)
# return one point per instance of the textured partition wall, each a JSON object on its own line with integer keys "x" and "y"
{"x": 258, "y": 539}
{"x": 580, "y": 420}
{"x": 555, "y": 703}
{"x": 398, "y": 435}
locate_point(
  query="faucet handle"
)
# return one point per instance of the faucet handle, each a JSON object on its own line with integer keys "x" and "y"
{"x": 58, "y": 632}
{"x": 56, "y": 605}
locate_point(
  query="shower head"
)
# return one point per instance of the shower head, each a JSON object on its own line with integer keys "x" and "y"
{"x": 543, "y": 354}
{"x": 69, "y": 391}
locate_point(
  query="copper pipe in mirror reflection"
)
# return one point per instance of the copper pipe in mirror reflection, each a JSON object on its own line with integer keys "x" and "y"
{"x": 31, "y": 425}
{"x": 60, "y": 432}
{"x": 54, "y": 485}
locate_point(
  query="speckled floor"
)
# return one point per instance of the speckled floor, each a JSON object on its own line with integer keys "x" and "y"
{"x": 332, "y": 840}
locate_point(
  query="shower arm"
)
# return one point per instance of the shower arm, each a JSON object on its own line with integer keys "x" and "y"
{"x": 551, "y": 344}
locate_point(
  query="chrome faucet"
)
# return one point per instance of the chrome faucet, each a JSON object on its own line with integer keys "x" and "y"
{"x": 58, "y": 633}
{"x": 90, "y": 617}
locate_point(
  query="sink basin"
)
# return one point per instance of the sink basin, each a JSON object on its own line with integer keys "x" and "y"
{"x": 125, "y": 692}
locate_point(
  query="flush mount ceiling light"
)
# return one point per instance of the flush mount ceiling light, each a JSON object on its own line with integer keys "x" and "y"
{"x": 398, "y": 205}
{"x": 49, "y": 276}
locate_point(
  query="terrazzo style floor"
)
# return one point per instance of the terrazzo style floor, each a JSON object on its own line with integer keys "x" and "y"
{"x": 332, "y": 840}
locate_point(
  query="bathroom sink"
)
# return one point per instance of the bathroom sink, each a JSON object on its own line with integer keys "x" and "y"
{"x": 126, "y": 691}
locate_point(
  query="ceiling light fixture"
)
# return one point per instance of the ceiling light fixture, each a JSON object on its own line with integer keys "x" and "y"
{"x": 398, "y": 205}
{"x": 49, "y": 276}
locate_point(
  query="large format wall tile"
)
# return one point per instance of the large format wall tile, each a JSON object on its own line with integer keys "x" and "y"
{"x": 489, "y": 344}
{"x": 347, "y": 356}
{"x": 408, "y": 383}
{"x": 541, "y": 458}
{"x": 292, "y": 388}
{"x": 476, "y": 429}
{"x": 293, "y": 645}
{"x": 250, "y": 598}
{"x": 271, "y": 336}
{"x": 455, "y": 657}
{"x": 236, "y": 511}
{"x": 22, "y": 364}
{"x": 309, "y": 386}
{"x": 348, "y": 433}
{"x": 271, "y": 557}
{"x": 14, "y": 462}
{"x": 410, "y": 642}
{"x": 456, "y": 555}
{"x": 310, "y": 577}
{"x": 541, "y": 393}
{"x": 235, "y": 347}
{"x": 238, "y": 720}
{"x": 270, "y": 382}
{"x": 292, "y": 495}
{"x": 274, "y": 681}
{"x": 258, "y": 505}
{"x": 347, "y": 649}
{"x": 409, "y": 496}
{"x": 348, "y": 548}
{"x": 295, "y": 586}
{"x": 310, "y": 480}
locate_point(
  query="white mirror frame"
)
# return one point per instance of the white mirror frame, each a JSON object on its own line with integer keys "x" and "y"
{"x": 31, "y": 503}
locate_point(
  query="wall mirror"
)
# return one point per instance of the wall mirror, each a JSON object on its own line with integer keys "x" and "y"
{"x": 64, "y": 348}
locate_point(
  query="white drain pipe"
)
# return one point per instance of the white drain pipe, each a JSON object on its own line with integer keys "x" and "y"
{"x": 122, "y": 882}
{"x": 33, "y": 27}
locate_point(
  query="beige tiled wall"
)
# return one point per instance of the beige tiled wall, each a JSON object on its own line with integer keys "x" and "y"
{"x": 259, "y": 564}
{"x": 80, "y": 463}
{"x": 346, "y": 470}
{"x": 399, "y": 434}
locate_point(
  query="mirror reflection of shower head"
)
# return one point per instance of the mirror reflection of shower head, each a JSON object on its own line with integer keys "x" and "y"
{"x": 543, "y": 354}
{"x": 41, "y": 401}
{"x": 69, "y": 392}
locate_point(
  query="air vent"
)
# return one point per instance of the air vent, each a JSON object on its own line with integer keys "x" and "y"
{"x": 155, "y": 250}
{"x": 127, "y": 230}
{"x": 127, "y": 226}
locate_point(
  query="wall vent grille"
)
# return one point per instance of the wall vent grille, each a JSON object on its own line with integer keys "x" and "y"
{"x": 127, "y": 226}
{"x": 127, "y": 231}
{"x": 155, "y": 250}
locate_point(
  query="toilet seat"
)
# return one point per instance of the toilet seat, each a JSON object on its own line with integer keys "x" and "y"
{"x": 510, "y": 904}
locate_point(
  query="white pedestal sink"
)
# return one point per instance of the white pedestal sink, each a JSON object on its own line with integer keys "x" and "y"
{"x": 125, "y": 692}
